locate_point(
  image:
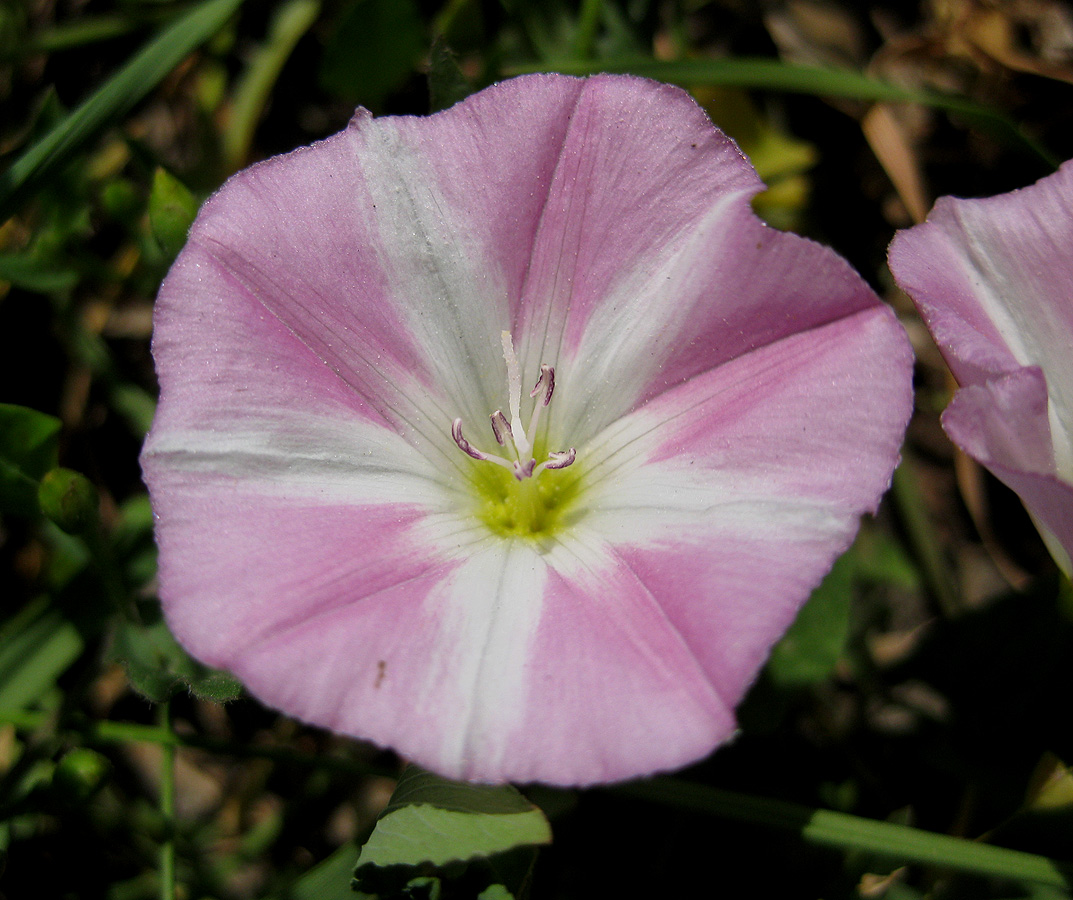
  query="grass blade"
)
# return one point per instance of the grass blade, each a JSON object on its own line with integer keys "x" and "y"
{"x": 112, "y": 100}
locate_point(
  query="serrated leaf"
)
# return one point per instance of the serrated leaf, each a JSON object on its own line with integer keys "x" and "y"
{"x": 28, "y": 449}
{"x": 420, "y": 787}
{"x": 419, "y": 835}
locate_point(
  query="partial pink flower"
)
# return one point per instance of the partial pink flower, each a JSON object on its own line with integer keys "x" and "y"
{"x": 993, "y": 280}
{"x": 509, "y": 437}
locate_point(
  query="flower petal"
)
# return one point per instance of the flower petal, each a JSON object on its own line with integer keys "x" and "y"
{"x": 1003, "y": 424}
{"x": 731, "y": 495}
{"x": 993, "y": 281}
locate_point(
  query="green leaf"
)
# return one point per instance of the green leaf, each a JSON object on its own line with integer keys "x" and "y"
{"x": 900, "y": 844}
{"x": 28, "y": 449}
{"x": 37, "y": 646}
{"x": 172, "y": 208}
{"x": 436, "y": 835}
{"x": 43, "y": 276}
{"x": 328, "y": 880}
{"x": 809, "y": 650}
{"x": 112, "y": 100}
{"x": 158, "y": 667}
{"x": 376, "y": 45}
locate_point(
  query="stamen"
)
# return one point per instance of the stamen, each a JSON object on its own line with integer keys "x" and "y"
{"x": 500, "y": 427}
{"x": 468, "y": 448}
{"x": 523, "y": 466}
{"x": 560, "y": 459}
{"x": 557, "y": 459}
{"x": 464, "y": 445}
{"x": 545, "y": 382}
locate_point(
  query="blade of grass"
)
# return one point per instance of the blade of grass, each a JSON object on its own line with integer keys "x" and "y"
{"x": 117, "y": 96}
{"x": 291, "y": 21}
{"x": 88, "y": 30}
{"x": 587, "y": 26}
{"x": 842, "y": 831}
{"x": 775, "y": 75}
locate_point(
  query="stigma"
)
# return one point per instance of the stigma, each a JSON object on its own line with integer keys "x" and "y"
{"x": 516, "y": 438}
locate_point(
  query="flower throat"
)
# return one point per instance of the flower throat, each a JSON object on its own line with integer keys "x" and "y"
{"x": 514, "y": 500}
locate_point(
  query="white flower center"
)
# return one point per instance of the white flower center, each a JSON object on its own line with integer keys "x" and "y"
{"x": 511, "y": 434}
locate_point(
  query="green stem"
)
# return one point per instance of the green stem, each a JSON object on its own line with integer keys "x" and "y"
{"x": 913, "y": 511}
{"x": 167, "y": 808}
{"x": 291, "y": 21}
{"x": 842, "y": 831}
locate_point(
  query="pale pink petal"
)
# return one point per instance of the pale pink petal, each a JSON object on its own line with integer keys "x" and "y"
{"x": 993, "y": 279}
{"x": 569, "y": 679}
{"x": 730, "y": 496}
{"x": 1003, "y": 424}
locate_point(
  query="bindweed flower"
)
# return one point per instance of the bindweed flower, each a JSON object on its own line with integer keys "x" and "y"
{"x": 993, "y": 280}
{"x": 509, "y": 437}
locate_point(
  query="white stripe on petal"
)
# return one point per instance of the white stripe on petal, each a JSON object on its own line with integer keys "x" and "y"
{"x": 294, "y": 454}
{"x": 489, "y": 612}
{"x": 455, "y": 303}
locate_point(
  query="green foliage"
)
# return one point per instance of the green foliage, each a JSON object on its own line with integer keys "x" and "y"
{"x": 450, "y": 839}
{"x": 447, "y": 84}
{"x": 809, "y": 650}
{"x": 172, "y": 208}
{"x": 159, "y": 668}
{"x": 908, "y": 690}
{"x": 36, "y": 646}
{"x": 111, "y": 101}
{"x": 28, "y": 449}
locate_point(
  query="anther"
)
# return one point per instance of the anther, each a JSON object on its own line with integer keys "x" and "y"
{"x": 500, "y": 427}
{"x": 464, "y": 445}
{"x": 521, "y": 440}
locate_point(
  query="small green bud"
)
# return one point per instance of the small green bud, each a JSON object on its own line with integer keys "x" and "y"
{"x": 119, "y": 198}
{"x": 69, "y": 499}
{"x": 80, "y": 773}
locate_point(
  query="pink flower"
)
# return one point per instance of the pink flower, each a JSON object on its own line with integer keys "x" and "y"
{"x": 993, "y": 279}
{"x": 351, "y": 334}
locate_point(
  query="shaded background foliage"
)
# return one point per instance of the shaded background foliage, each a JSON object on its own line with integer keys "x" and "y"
{"x": 926, "y": 683}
